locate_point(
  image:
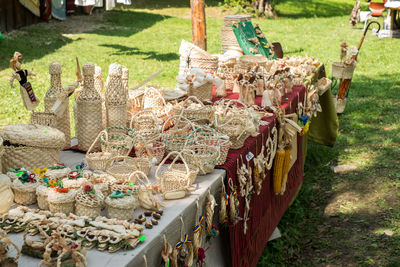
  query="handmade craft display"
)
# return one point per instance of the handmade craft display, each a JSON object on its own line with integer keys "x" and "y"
{"x": 88, "y": 115}
{"x": 115, "y": 97}
{"x": 29, "y": 98}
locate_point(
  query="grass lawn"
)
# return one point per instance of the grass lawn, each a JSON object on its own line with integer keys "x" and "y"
{"x": 337, "y": 219}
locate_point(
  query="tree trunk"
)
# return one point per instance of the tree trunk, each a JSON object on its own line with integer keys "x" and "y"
{"x": 199, "y": 23}
{"x": 261, "y": 6}
{"x": 269, "y": 9}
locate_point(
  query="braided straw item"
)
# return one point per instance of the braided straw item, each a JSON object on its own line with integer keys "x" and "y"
{"x": 24, "y": 193}
{"x": 121, "y": 208}
{"x": 97, "y": 160}
{"x": 173, "y": 182}
{"x": 41, "y": 192}
{"x": 61, "y": 202}
{"x": 194, "y": 110}
{"x": 122, "y": 166}
{"x": 88, "y": 115}
{"x": 30, "y": 146}
{"x": 116, "y": 97}
{"x": 88, "y": 204}
{"x": 61, "y": 123}
{"x": 193, "y": 169}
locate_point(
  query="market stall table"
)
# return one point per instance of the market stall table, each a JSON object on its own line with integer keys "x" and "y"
{"x": 169, "y": 225}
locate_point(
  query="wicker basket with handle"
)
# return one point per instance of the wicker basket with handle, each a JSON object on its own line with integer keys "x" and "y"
{"x": 146, "y": 125}
{"x": 194, "y": 110}
{"x": 97, "y": 160}
{"x": 88, "y": 203}
{"x": 173, "y": 182}
{"x": 122, "y": 166}
{"x": 117, "y": 140}
{"x": 175, "y": 138}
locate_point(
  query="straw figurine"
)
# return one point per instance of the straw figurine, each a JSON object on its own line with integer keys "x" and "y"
{"x": 21, "y": 75}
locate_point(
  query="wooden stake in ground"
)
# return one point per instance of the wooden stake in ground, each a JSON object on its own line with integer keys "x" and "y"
{"x": 199, "y": 23}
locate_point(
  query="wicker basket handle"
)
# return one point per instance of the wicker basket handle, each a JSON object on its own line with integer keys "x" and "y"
{"x": 95, "y": 141}
{"x": 146, "y": 112}
{"x": 178, "y": 154}
{"x": 115, "y": 159}
{"x": 139, "y": 176}
{"x": 180, "y": 117}
{"x": 194, "y": 99}
{"x": 230, "y": 102}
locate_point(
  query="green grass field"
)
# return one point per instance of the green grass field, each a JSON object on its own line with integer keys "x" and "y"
{"x": 337, "y": 219}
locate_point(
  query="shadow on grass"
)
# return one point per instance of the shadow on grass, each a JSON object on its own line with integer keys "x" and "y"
{"x": 312, "y": 8}
{"x": 338, "y": 219}
{"x": 122, "y": 50}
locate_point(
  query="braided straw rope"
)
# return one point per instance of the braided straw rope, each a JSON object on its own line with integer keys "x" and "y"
{"x": 88, "y": 205}
{"x": 24, "y": 193}
{"x": 62, "y": 123}
{"x": 8, "y": 242}
{"x": 88, "y": 111}
{"x": 61, "y": 202}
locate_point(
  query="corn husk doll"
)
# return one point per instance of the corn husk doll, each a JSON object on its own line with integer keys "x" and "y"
{"x": 21, "y": 75}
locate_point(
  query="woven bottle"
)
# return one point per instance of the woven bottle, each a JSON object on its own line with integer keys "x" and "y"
{"x": 125, "y": 83}
{"x": 88, "y": 115}
{"x": 99, "y": 86}
{"x": 115, "y": 97}
{"x": 62, "y": 123}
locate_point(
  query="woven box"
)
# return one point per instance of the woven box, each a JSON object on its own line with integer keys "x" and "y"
{"x": 30, "y": 146}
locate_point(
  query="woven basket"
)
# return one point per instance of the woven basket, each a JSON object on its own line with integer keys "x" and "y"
{"x": 194, "y": 110}
{"x": 153, "y": 97}
{"x": 44, "y": 118}
{"x": 41, "y": 193}
{"x": 193, "y": 170}
{"x": 343, "y": 71}
{"x": 24, "y": 198}
{"x": 116, "y": 97}
{"x": 203, "y": 156}
{"x": 61, "y": 202}
{"x": 117, "y": 140}
{"x": 176, "y": 137}
{"x": 121, "y": 209}
{"x": 30, "y": 146}
{"x": 135, "y": 102}
{"x": 150, "y": 150}
{"x": 207, "y": 64}
{"x": 122, "y": 166}
{"x": 97, "y": 160}
{"x": 88, "y": 117}
{"x": 146, "y": 125}
{"x": 86, "y": 205}
{"x": 173, "y": 182}
{"x": 225, "y": 145}
{"x": 227, "y": 71}
{"x": 202, "y": 92}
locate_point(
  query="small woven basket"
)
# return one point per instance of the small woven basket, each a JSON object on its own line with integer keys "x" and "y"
{"x": 44, "y": 118}
{"x": 150, "y": 150}
{"x": 203, "y": 156}
{"x": 117, "y": 140}
{"x": 41, "y": 193}
{"x": 153, "y": 97}
{"x": 202, "y": 92}
{"x": 225, "y": 144}
{"x": 61, "y": 202}
{"x": 135, "y": 102}
{"x": 146, "y": 124}
{"x": 194, "y": 110}
{"x": 207, "y": 64}
{"x": 24, "y": 198}
{"x": 122, "y": 166}
{"x": 193, "y": 170}
{"x": 97, "y": 160}
{"x": 176, "y": 137}
{"x": 88, "y": 205}
{"x": 121, "y": 208}
{"x": 66, "y": 208}
{"x": 173, "y": 182}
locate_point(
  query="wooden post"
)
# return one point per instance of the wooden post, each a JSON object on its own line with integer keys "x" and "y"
{"x": 199, "y": 23}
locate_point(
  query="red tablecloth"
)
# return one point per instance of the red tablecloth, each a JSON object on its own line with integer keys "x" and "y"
{"x": 266, "y": 209}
